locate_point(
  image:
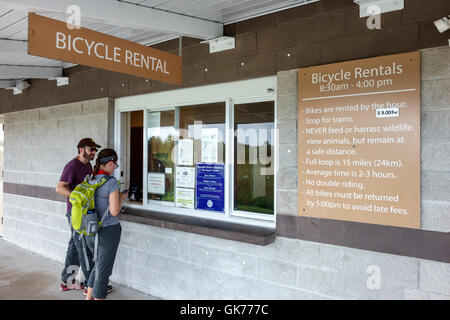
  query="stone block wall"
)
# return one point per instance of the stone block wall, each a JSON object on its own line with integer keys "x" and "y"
{"x": 38, "y": 144}
{"x": 435, "y": 139}
{"x": 318, "y": 33}
{"x": 173, "y": 264}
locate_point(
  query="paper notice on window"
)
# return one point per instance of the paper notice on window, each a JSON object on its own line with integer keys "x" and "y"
{"x": 210, "y": 142}
{"x": 186, "y": 152}
{"x": 210, "y": 187}
{"x": 154, "y": 123}
{"x": 185, "y": 177}
{"x": 185, "y": 198}
{"x": 156, "y": 183}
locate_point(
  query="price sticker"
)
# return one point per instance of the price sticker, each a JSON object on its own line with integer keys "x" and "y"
{"x": 387, "y": 113}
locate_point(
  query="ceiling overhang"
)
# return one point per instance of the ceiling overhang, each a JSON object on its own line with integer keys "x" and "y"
{"x": 127, "y": 14}
{"x": 13, "y": 46}
{"x": 25, "y": 72}
{"x": 141, "y": 21}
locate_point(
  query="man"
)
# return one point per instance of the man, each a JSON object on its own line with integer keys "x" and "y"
{"x": 73, "y": 174}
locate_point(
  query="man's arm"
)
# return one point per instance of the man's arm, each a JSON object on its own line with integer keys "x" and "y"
{"x": 63, "y": 189}
{"x": 67, "y": 176}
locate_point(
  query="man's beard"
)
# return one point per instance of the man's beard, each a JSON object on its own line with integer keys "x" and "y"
{"x": 88, "y": 157}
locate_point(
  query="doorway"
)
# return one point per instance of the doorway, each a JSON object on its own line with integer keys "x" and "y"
{"x": 132, "y": 154}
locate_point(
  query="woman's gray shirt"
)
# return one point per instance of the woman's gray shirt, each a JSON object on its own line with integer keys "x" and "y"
{"x": 102, "y": 200}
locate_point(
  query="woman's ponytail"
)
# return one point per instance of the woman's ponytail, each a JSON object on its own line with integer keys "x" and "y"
{"x": 96, "y": 167}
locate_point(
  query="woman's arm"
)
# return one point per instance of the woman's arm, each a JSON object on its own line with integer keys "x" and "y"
{"x": 114, "y": 203}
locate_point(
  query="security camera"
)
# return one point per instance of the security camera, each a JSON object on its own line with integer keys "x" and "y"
{"x": 442, "y": 24}
{"x": 22, "y": 85}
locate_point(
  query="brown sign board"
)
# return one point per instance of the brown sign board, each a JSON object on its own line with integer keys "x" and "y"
{"x": 359, "y": 141}
{"x": 53, "y": 39}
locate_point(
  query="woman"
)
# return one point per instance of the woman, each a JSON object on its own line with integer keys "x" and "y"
{"x": 107, "y": 201}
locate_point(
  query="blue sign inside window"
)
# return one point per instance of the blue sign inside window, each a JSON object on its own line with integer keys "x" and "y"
{"x": 210, "y": 190}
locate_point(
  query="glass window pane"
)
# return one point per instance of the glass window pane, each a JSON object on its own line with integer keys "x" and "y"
{"x": 196, "y": 122}
{"x": 253, "y": 150}
{"x": 161, "y": 141}
{"x": 201, "y": 157}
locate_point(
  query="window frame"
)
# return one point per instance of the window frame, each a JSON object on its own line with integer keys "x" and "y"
{"x": 246, "y": 91}
{"x": 247, "y": 214}
{"x": 145, "y": 200}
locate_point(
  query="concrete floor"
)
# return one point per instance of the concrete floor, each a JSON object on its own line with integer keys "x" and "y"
{"x": 28, "y": 276}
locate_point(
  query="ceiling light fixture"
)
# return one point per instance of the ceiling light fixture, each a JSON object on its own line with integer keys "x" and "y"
{"x": 365, "y": 6}
{"x": 220, "y": 44}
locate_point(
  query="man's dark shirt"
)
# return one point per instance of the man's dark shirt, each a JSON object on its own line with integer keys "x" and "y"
{"x": 74, "y": 173}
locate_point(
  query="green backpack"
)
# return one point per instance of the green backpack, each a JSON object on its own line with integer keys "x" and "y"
{"x": 84, "y": 217}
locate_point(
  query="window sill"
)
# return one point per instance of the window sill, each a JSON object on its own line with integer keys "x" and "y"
{"x": 226, "y": 230}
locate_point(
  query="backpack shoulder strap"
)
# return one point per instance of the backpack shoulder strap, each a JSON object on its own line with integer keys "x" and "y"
{"x": 101, "y": 183}
{"x": 96, "y": 183}
{"x": 103, "y": 180}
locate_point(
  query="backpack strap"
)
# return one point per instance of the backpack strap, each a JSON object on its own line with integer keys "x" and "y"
{"x": 96, "y": 235}
{"x": 96, "y": 244}
{"x": 96, "y": 256}
{"x": 84, "y": 249}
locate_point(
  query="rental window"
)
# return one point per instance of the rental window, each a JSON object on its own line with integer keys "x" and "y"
{"x": 187, "y": 165}
{"x": 211, "y": 159}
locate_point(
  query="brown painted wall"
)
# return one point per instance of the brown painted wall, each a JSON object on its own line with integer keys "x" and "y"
{"x": 323, "y": 32}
